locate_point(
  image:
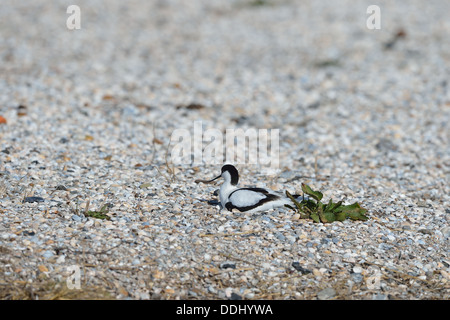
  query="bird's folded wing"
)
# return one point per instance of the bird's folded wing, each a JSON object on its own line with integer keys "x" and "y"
{"x": 250, "y": 196}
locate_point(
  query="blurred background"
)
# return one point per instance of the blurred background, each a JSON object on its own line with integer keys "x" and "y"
{"x": 309, "y": 68}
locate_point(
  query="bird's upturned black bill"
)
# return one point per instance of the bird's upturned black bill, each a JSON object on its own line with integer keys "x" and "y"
{"x": 207, "y": 181}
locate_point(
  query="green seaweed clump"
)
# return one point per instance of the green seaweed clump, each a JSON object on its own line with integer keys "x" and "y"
{"x": 313, "y": 208}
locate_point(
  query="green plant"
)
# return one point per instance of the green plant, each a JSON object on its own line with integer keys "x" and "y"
{"x": 100, "y": 214}
{"x": 319, "y": 212}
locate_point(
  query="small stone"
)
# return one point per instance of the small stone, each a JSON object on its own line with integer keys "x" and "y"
{"x": 379, "y": 296}
{"x": 42, "y": 268}
{"x": 89, "y": 223}
{"x": 33, "y": 199}
{"x": 192, "y": 293}
{"x": 235, "y": 296}
{"x": 122, "y": 291}
{"x": 405, "y": 226}
{"x": 265, "y": 265}
{"x": 323, "y": 270}
{"x": 357, "y": 277}
{"x": 212, "y": 289}
{"x": 250, "y": 295}
{"x": 326, "y": 294}
{"x": 385, "y": 144}
{"x": 227, "y": 265}
{"x": 47, "y": 254}
{"x": 446, "y": 232}
{"x": 299, "y": 268}
{"x": 228, "y": 292}
{"x": 280, "y": 236}
{"x": 357, "y": 269}
{"x": 317, "y": 272}
{"x": 144, "y": 295}
{"x": 159, "y": 274}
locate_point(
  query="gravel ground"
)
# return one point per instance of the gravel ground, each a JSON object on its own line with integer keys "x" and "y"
{"x": 363, "y": 116}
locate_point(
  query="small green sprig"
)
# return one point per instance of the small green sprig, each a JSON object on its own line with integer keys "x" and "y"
{"x": 100, "y": 214}
{"x": 319, "y": 212}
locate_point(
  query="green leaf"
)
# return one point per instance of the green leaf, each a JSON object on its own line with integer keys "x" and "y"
{"x": 104, "y": 209}
{"x": 331, "y": 207}
{"x": 328, "y": 205}
{"x": 297, "y": 204}
{"x": 302, "y": 207}
{"x": 340, "y": 216}
{"x": 325, "y": 213}
{"x": 349, "y": 207}
{"x": 317, "y": 195}
{"x": 357, "y": 214}
{"x": 315, "y": 217}
{"x": 309, "y": 204}
{"x": 97, "y": 215}
{"x": 352, "y": 211}
{"x": 328, "y": 217}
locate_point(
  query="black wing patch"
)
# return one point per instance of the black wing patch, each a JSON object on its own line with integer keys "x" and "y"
{"x": 269, "y": 197}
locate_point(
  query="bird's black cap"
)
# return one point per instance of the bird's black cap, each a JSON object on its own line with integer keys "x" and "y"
{"x": 233, "y": 173}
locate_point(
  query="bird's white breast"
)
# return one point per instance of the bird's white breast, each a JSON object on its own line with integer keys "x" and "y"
{"x": 224, "y": 192}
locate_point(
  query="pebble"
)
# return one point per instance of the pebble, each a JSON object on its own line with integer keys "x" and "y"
{"x": 379, "y": 296}
{"x": 299, "y": 268}
{"x": 212, "y": 289}
{"x": 47, "y": 254}
{"x": 228, "y": 292}
{"x": 357, "y": 277}
{"x": 326, "y": 294}
{"x": 76, "y": 218}
{"x": 227, "y": 265}
{"x": 33, "y": 199}
{"x": 266, "y": 265}
{"x": 235, "y": 296}
{"x": 446, "y": 232}
{"x": 280, "y": 236}
{"x": 357, "y": 269}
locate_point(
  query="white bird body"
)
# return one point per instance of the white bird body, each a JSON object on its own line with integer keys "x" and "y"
{"x": 247, "y": 200}
{"x": 254, "y": 201}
